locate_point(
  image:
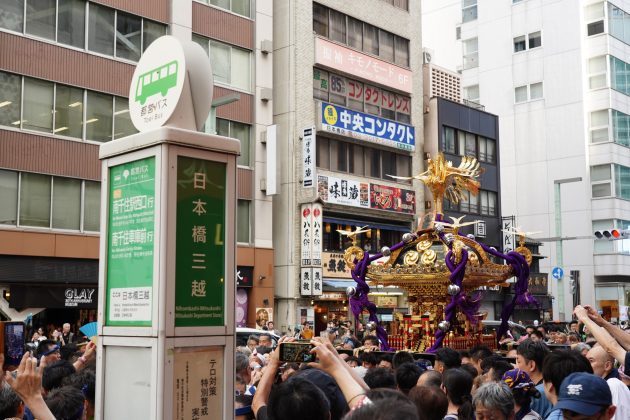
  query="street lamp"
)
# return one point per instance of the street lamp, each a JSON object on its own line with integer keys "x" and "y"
{"x": 558, "y": 219}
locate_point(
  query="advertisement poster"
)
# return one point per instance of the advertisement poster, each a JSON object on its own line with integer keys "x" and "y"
{"x": 263, "y": 315}
{"x": 306, "y": 229}
{"x": 198, "y": 383}
{"x": 130, "y": 245}
{"x": 200, "y": 234}
{"x": 346, "y": 192}
{"x": 392, "y": 199}
{"x": 347, "y": 122}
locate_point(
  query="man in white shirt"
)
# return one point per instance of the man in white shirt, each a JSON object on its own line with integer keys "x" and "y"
{"x": 603, "y": 366}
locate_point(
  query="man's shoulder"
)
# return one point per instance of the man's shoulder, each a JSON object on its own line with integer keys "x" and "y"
{"x": 554, "y": 415}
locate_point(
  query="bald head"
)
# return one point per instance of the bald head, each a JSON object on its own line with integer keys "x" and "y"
{"x": 601, "y": 362}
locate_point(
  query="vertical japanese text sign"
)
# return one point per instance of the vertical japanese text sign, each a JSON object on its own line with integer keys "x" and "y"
{"x": 308, "y": 157}
{"x": 130, "y": 245}
{"x": 306, "y": 281}
{"x": 306, "y": 228}
{"x": 316, "y": 242}
{"x": 317, "y": 281}
{"x": 200, "y": 235}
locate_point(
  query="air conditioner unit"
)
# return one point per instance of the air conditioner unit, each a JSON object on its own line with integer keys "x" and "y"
{"x": 426, "y": 57}
{"x": 266, "y": 94}
{"x": 266, "y": 46}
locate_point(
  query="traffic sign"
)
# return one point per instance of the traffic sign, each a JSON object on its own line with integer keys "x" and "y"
{"x": 557, "y": 273}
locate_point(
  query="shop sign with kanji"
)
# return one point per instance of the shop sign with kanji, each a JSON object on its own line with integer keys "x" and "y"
{"x": 334, "y": 265}
{"x": 130, "y": 243}
{"x": 200, "y": 249}
{"x": 308, "y": 157}
{"x": 346, "y": 122}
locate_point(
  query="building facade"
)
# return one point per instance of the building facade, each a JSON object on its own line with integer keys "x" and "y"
{"x": 554, "y": 72}
{"x": 65, "y": 69}
{"x": 348, "y": 107}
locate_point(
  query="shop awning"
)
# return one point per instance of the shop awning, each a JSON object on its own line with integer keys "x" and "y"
{"x": 371, "y": 223}
{"x": 337, "y": 284}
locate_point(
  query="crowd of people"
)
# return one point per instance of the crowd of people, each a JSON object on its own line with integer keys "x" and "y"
{"x": 582, "y": 373}
{"x": 56, "y": 379}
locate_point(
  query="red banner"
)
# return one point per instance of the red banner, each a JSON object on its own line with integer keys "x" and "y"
{"x": 394, "y": 199}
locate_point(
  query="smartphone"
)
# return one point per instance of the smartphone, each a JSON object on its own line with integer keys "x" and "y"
{"x": 296, "y": 352}
{"x": 12, "y": 341}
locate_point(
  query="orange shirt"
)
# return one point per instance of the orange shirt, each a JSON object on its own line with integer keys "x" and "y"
{"x": 307, "y": 334}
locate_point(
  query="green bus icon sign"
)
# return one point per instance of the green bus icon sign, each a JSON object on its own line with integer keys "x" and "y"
{"x": 158, "y": 80}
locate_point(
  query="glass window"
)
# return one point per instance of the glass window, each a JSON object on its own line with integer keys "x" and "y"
{"x": 243, "y": 221}
{"x": 337, "y": 26}
{"x": 388, "y": 105}
{"x": 101, "y": 29}
{"x": 66, "y": 206}
{"x": 38, "y": 105}
{"x": 241, "y": 69}
{"x": 203, "y": 42}
{"x": 448, "y": 140}
{"x": 600, "y": 173}
{"x": 9, "y": 194}
{"x": 520, "y": 94}
{"x": 320, "y": 20}
{"x": 370, "y": 39}
{"x": 355, "y": 95}
{"x": 12, "y": 15}
{"x": 357, "y": 162}
{"x": 154, "y": 30}
{"x": 69, "y": 111}
{"x": 34, "y": 200}
{"x": 402, "y": 51}
{"x": 599, "y": 126}
{"x": 338, "y": 89}
{"x": 597, "y": 72}
{"x": 71, "y": 23}
{"x": 388, "y": 164}
{"x": 220, "y": 60}
{"x": 98, "y": 122}
{"x": 536, "y": 90}
{"x": 535, "y": 40}
{"x": 595, "y": 28}
{"x": 622, "y": 182}
{"x": 223, "y": 4}
{"x": 601, "y": 190}
{"x": 242, "y": 7}
{"x": 323, "y": 153}
{"x": 620, "y": 77}
{"x": 403, "y": 165}
{"x": 386, "y": 45}
{"x": 128, "y": 36}
{"x": 338, "y": 156}
{"x": 40, "y": 18}
{"x": 122, "y": 120}
{"x": 355, "y": 33}
{"x": 594, "y": 11}
{"x": 471, "y": 145}
{"x": 471, "y": 53}
{"x": 469, "y": 10}
{"x": 372, "y": 162}
{"x": 472, "y": 93}
{"x": 618, "y": 23}
{"x": 372, "y": 99}
{"x": 403, "y": 109}
{"x": 519, "y": 43}
{"x": 10, "y": 98}
{"x": 487, "y": 150}
{"x": 242, "y": 132}
{"x": 621, "y": 128}
{"x": 320, "y": 84}
{"x": 92, "y": 206}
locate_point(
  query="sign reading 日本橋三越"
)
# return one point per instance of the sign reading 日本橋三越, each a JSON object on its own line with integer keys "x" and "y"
{"x": 200, "y": 235}
{"x": 157, "y": 83}
{"x": 130, "y": 243}
{"x": 346, "y": 122}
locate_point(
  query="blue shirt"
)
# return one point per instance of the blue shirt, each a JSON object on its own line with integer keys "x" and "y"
{"x": 541, "y": 405}
{"x": 555, "y": 415}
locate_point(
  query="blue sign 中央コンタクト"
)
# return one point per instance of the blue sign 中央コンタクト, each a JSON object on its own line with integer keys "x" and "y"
{"x": 557, "y": 273}
{"x": 340, "y": 120}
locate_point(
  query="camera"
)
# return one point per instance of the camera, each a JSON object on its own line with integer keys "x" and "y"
{"x": 296, "y": 352}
